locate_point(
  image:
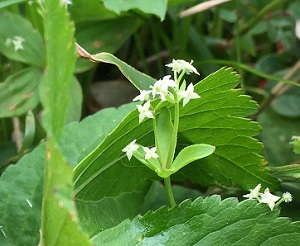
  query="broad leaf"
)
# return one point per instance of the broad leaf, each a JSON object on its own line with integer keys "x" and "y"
{"x": 158, "y": 7}
{"x": 208, "y": 221}
{"x": 21, "y": 191}
{"x": 19, "y": 92}
{"x": 14, "y": 27}
{"x": 6, "y": 3}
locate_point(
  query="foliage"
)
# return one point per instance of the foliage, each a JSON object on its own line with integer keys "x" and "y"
{"x": 64, "y": 177}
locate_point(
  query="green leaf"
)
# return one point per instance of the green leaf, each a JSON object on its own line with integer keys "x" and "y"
{"x": 208, "y": 221}
{"x": 61, "y": 58}
{"x": 158, "y": 7}
{"x": 104, "y": 35}
{"x": 276, "y": 135}
{"x": 13, "y": 26}
{"x": 288, "y": 173}
{"x": 94, "y": 128}
{"x": 6, "y": 3}
{"x": 217, "y": 118}
{"x": 21, "y": 191}
{"x": 59, "y": 225}
{"x": 93, "y": 11}
{"x": 75, "y": 102}
{"x": 138, "y": 79}
{"x": 29, "y": 131}
{"x": 19, "y": 92}
{"x": 296, "y": 143}
{"x": 164, "y": 135}
{"x": 190, "y": 154}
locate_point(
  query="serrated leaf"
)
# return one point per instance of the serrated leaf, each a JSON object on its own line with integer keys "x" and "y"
{"x": 21, "y": 191}
{"x": 61, "y": 58}
{"x": 13, "y": 26}
{"x": 208, "y": 221}
{"x": 158, "y": 7}
{"x": 19, "y": 92}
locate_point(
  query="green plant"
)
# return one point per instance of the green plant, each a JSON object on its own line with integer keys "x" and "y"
{"x": 77, "y": 187}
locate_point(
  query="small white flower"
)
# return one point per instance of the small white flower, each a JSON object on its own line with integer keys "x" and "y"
{"x": 163, "y": 85}
{"x": 18, "y": 43}
{"x": 150, "y": 153}
{"x": 268, "y": 198}
{"x": 287, "y": 197}
{"x": 144, "y": 111}
{"x": 144, "y": 96}
{"x": 130, "y": 148}
{"x": 188, "y": 94}
{"x": 182, "y": 66}
{"x": 253, "y": 192}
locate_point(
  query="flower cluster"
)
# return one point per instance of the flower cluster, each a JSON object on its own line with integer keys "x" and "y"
{"x": 17, "y": 41}
{"x": 267, "y": 197}
{"x": 167, "y": 89}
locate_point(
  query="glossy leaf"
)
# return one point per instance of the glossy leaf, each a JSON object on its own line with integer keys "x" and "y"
{"x": 157, "y": 8}
{"x": 208, "y": 221}
{"x": 191, "y": 153}
{"x": 13, "y": 26}
{"x": 19, "y": 92}
{"x": 21, "y": 191}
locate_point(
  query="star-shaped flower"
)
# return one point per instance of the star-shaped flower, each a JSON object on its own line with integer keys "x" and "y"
{"x": 150, "y": 153}
{"x": 130, "y": 148}
{"x": 181, "y": 65}
{"x": 254, "y": 193}
{"x": 144, "y": 111}
{"x": 144, "y": 96}
{"x": 268, "y": 198}
{"x": 18, "y": 43}
{"x": 188, "y": 94}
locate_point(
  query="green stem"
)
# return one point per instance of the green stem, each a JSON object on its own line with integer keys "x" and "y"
{"x": 168, "y": 186}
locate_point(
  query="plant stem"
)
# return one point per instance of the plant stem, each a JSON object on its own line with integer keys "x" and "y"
{"x": 168, "y": 186}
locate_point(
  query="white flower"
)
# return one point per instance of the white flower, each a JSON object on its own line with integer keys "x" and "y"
{"x": 163, "y": 85}
{"x": 188, "y": 94}
{"x": 18, "y": 43}
{"x": 144, "y": 96}
{"x": 150, "y": 153}
{"x": 144, "y": 111}
{"x": 182, "y": 66}
{"x": 130, "y": 148}
{"x": 268, "y": 198}
{"x": 287, "y": 197}
{"x": 253, "y": 192}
